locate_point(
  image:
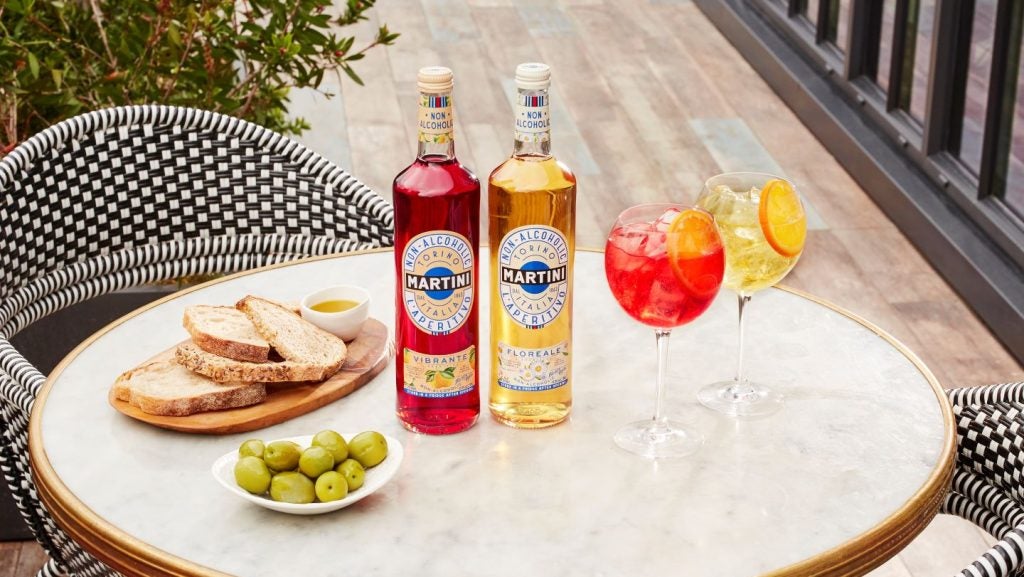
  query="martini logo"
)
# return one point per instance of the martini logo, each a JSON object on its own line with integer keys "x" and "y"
{"x": 533, "y": 263}
{"x": 437, "y": 281}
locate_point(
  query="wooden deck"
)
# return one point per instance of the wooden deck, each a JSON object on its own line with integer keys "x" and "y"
{"x": 648, "y": 101}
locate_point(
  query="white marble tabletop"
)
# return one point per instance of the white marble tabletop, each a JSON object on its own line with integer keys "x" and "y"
{"x": 861, "y": 434}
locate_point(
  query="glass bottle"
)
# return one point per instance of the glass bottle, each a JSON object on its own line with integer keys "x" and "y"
{"x": 437, "y": 229}
{"x": 532, "y": 218}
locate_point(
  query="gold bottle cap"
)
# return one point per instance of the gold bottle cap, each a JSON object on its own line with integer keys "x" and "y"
{"x": 533, "y": 76}
{"x": 434, "y": 79}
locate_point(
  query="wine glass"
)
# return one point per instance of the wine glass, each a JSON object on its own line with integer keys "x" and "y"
{"x": 664, "y": 265}
{"x": 764, "y": 227}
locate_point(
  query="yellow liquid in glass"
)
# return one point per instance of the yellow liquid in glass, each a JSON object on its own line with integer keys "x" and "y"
{"x": 335, "y": 306}
{"x": 751, "y": 264}
{"x": 530, "y": 191}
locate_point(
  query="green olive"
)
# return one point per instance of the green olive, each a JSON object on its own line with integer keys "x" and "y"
{"x": 331, "y": 486}
{"x": 315, "y": 461}
{"x": 282, "y": 455}
{"x": 251, "y": 448}
{"x": 292, "y": 487}
{"x": 369, "y": 448}
{"x": 251, "y": 474}
{"x": 353, "y": 472}
{"x": 334, "y": 443}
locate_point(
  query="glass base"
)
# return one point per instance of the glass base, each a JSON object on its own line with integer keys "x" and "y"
{"x": 659, "y": 440}
{"x": 740, "y": 398}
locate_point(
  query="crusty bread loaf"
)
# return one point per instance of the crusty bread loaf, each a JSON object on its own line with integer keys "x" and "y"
{"x": 164, "y": 387}
{"x": 225, "y": 332}
{"x": 223, "y": 369}
{"x": 293, "y": 337}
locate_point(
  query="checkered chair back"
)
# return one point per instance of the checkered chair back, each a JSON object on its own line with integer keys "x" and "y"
{"x": 987, "y": 486}
{"x": 132, "y": 195}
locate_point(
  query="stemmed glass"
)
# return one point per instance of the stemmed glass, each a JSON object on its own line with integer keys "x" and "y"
{"x": 664, "y": 265}
{"x": 764, "y": 227}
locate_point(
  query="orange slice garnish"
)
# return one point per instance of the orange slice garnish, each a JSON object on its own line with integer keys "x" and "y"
{"x": 691, "y": 238}
{"x": 782, "y": 218}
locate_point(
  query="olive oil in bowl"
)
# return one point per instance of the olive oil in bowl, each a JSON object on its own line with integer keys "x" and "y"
{"x": 341, "y": 310}
{"x": 334, "y": 306}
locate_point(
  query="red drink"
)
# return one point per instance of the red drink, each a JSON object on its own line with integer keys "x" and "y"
{"x": 437, "y": 226}
{"x": 664, "y": 264}
{"x": 653, "y": 288}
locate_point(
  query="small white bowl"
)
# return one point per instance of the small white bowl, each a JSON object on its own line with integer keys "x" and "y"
{"x": 345, "y": 324}
{"x": 224, "y": 471}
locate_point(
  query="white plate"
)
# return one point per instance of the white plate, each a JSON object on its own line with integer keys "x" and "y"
{"x": 224, "y": 471}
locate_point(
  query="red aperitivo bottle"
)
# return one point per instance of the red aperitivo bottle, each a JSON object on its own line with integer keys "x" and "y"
{"x": 437, "y": 227}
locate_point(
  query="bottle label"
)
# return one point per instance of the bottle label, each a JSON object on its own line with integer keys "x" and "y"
{"x": 439, "y": 376}
{"x": 436, "y": 122}
{"x": 533, "y": 262}
{"x": 533, "y": 122}
{"x": 533, "y": 369}
{"x": 437, "y": 281}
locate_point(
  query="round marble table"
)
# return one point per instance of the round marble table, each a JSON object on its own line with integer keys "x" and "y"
{"x": 850, "y": 471}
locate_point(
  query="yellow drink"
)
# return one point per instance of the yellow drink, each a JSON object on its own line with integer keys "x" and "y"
{"x": 532, "y": 219}
{"x": 751, "y": 264}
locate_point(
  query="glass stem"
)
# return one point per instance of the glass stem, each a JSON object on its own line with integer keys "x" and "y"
{"x": 740, "y": 386}
{"x": 661, "y": 335}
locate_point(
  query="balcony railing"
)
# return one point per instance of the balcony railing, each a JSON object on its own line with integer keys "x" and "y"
{"x": 941, "y": 77}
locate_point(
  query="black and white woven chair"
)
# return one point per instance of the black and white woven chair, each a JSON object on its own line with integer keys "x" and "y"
{"x": 132, "y": 195}
{"x": 987, "y": 486}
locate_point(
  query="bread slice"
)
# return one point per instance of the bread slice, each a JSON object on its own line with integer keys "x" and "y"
{"x": 287, "y": 305}
{"x": 225, "y": 332}
{"x": 224, "y": 370}
{"x": 163, "y": 387}
{"x": 293, "y": 337}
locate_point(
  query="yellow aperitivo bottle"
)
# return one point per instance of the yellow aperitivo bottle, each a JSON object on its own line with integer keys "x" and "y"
{"x": 532, "y": 215}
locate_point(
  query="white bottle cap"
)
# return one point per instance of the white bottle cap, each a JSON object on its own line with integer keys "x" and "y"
{"x": 533, "y": 76}
{"x": 434, "y": 79}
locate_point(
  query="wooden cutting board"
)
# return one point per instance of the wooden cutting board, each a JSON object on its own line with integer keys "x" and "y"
{"x": 368, "y": 354}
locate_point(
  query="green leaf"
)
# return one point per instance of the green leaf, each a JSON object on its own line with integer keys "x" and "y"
{"x": 352, "y": 74}
{"x": 33, "y": 65}
{"x": 58, "y": 77}
{"x": 173, "y": 36}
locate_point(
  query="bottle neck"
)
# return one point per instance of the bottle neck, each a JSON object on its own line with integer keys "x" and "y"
{"x": 436, "y": 127}
{"x": 533, "y": 126}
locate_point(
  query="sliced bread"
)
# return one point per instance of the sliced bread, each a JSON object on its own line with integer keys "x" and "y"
{"x": 225, "y": 332}
{"x": 164, "y": 387}
{"x": 293, "y": 337}
{"x": 223, "y": 370}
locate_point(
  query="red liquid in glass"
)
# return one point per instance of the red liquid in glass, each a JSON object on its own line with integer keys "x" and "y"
{"x": 642, "y": 279}
{"x": 436, "y": 195}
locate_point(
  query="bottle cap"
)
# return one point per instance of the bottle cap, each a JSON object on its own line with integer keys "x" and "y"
{"x": 434, "y": 79}
{"x": 533, "y": 76}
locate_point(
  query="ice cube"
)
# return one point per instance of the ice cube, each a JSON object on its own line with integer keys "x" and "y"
{"x": 656, "y": 246}
{"x": 630, "y": 239}
{"x": 665, "y": 220}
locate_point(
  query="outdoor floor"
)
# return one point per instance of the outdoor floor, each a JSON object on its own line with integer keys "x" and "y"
{"x": 648, "y": 100}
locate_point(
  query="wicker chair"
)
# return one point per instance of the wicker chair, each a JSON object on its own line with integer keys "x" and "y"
{"x": 987, "y": 486}
{"x": 128, "y": 196}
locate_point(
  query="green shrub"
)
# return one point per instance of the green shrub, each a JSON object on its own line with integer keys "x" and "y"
{"x": 59, "y": 58}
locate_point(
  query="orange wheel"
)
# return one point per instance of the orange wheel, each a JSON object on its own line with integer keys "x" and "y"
{"x": 782, "y": 218}
{"x": 692, "y": 236}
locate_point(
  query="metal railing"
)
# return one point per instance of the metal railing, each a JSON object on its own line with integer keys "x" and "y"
{"x": 922, "y": 70}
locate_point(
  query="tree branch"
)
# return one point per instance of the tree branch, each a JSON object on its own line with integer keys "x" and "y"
{"x": 97, "y": 15}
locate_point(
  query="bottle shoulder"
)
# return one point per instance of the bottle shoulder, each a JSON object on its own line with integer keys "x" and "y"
{"x": 431, "y": 178}
{"x": 525, "y": 174}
